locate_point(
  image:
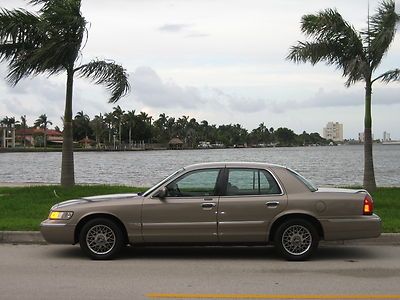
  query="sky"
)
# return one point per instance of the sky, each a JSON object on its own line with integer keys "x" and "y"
{"x": 218, "y": 60}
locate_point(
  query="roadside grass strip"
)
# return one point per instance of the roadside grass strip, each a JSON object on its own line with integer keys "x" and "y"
{"x": 267, "y": 296}
{"x": 23, "y": 208}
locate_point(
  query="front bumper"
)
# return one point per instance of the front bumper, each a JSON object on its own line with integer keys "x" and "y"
{"x": 57, "y": 232}
{"x": 361, "y": 227}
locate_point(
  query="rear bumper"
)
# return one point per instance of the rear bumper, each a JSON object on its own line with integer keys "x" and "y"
{"x": 361, "y": 227}
{"x": 57, "y": 232}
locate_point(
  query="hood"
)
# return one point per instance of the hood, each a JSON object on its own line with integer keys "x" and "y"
{"x": 340, "y": 190}
{"x": 94, "y": 199}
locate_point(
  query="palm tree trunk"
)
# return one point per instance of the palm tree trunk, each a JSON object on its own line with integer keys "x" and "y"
{"x": 120, "y": 129}
{"x": 369, "y": 175}
{"x": 45, "y": 137}
{"x": 67, "y": 165}
{"x": 130, "y": 137}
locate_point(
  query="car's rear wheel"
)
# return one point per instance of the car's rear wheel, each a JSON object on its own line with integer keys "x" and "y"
{"x": 296, "y": 239}
{"x": 101, "y": 238}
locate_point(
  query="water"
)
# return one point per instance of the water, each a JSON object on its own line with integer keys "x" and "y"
{"x": 341, "y": 165}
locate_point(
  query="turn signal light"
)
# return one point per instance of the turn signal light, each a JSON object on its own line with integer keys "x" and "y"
{"x": 368, "y": 208}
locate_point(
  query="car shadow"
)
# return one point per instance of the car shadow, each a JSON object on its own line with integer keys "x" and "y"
{"x": 325, "y": 253}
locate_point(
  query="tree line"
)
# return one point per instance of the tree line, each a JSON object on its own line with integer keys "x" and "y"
{"x": 124, "y": 129}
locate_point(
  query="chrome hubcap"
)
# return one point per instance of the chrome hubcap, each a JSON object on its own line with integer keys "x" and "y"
{"x": 296, "y": 240}
{"x": 100, "y": 239}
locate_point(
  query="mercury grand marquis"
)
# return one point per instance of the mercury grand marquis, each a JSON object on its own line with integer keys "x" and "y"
{"x": 217, "y": 204}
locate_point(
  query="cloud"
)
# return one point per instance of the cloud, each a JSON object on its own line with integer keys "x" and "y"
{"x": 150, "y": 90}
{"x": 336, "y": 99}
{"x": 174, "y": 27}
{"x": 33, "y": 97}
{"x": 187, "y": 29}
{"x": 239, "y": 103}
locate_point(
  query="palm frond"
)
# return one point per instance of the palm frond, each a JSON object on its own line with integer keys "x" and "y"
{"x": 108, "y": 73}
{"x": 18, "y": 31}
{"x": 334, "y": 41}
{"x": 392, "y": 75}
{"x": 45, "y": 43}
{"x": 382, "y": 29}
{"x": 329, "y": 25}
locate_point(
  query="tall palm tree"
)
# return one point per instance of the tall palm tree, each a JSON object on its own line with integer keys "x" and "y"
{"x": 81, "y": 125}
{"x": 42, "y": 122}
{"x": 130, "y": 120}
{"x": 357, "y": 54}
{"x": 118, "y": 114}
{"x": 98, "y": 127}
{"x": 23, "y": 125}
{"x": 50, "y": 42}
{"x": 109, "y": 119}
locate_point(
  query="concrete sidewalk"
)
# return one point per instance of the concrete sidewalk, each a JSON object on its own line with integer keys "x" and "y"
{"x": 34, "y": 237}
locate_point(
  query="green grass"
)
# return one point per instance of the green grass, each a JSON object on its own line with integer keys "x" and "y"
{"x": 387, "y": 206}
{"x": 23, "y": 208}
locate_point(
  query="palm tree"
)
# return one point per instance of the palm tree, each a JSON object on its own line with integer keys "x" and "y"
{"x": 130, "y": 120}
{"x": 97, "y": 125}
{"x": 118, "y": 114}
{"x": 23, "y": 125}
{"x": 50, "y": 42}
{"x": 42, "y": 122}
{"x": 357, "y": 54}
{"x": 109, "y": 119}
{"x": 81, "y": 125}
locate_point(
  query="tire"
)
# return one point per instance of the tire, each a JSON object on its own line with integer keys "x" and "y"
{"x": 101, "y": 239}
{"x": 296, "y": 239}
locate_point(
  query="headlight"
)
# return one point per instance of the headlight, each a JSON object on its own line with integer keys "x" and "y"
{"x": 60, "y": 215}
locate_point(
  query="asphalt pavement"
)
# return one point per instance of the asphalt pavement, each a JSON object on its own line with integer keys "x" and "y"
{"x": 63, "y": 272}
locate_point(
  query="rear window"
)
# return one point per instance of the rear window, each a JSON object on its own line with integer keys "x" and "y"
{"x": 251, "y": 182}
{"x": 308, "y": 183}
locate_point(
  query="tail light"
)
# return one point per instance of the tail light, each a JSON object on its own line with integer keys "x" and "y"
{"x": 368, "y": 207}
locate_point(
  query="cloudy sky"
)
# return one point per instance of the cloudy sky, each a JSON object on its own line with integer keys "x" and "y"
{"x": 219, "y": 60}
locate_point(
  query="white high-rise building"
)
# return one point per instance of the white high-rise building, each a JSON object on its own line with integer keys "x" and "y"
{"x": 333, "y": 131}
{"x": 386, "y": 137}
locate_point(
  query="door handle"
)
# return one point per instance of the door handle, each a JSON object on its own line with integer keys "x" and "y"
{"x": 208, "y": 199}
{"x": 272, "y": 204}
{"x": 208, "y": 206}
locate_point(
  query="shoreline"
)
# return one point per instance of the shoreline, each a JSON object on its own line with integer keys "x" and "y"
{"x": 40, "y": 150}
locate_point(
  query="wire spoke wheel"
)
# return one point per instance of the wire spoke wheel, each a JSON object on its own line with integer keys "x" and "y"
{"x": 100, "y": 239}
{"x": 296, "y": 240}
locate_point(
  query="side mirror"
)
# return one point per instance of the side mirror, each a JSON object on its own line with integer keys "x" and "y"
{"x": 162, "y": 193}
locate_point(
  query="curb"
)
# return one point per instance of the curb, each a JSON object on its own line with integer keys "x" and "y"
{"x": 35, "y": 237}
{"x": 21, "y": 237}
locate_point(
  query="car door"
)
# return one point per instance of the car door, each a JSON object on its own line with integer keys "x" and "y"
{"x": 188, "y": 213}
{"x": 252, "y": 198}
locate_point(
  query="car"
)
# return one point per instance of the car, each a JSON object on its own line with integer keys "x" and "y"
{"x": 220, "y": 203}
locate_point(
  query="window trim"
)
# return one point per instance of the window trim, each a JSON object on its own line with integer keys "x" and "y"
{"x": 226, "y": 177}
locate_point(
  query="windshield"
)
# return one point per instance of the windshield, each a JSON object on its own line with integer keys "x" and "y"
{"x": 156, "y": 186}
{"x": 308, "y": 183}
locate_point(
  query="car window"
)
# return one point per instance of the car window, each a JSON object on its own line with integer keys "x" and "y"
{"x": 194, "y": 184}
{"x": 251, "y": 182}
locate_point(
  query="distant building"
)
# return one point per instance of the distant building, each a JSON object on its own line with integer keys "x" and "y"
{"x": 7, "y": 137}
{"x": 386, "y": 137}
{"x": 333, "y": 131}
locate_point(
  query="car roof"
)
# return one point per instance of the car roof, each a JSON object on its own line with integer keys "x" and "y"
{"x": 233, "y": 165}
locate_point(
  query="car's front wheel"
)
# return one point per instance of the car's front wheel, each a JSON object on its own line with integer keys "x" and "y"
{"x": 101, "y": 238}
{"x": 296, "y": 239}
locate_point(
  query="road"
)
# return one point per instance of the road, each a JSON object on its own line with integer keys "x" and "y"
{"x": 62, "y": 272}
